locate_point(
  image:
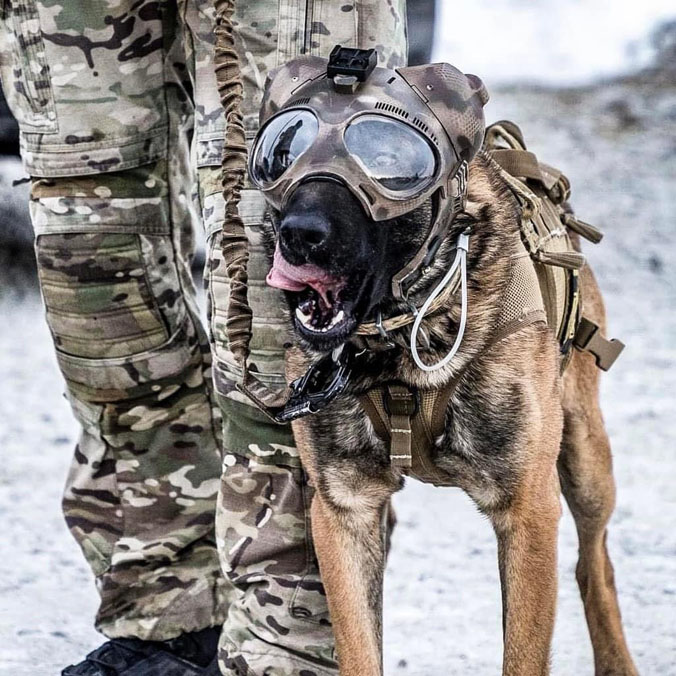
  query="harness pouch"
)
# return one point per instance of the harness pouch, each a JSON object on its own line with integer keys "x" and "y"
{"x": 546, "y": 220}
{"x": 542, "y": 191}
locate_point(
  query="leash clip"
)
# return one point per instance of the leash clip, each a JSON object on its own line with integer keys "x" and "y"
{"x": 319, "y": 386}
{"x": 381, "y": 329}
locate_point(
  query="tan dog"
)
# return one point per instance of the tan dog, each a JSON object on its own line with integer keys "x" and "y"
{"x": 515, "y": 431}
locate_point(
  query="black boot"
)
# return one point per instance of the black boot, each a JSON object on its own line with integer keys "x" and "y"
{"x": 186, "y": 655}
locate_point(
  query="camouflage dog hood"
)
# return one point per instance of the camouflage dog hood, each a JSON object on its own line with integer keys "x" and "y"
{"x": 395, "y": 138}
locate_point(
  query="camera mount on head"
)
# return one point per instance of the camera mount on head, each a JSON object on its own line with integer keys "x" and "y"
{"x": 347, "y": 67}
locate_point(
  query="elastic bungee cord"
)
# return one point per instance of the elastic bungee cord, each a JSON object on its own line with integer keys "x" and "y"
{"x": 461, "y": 248}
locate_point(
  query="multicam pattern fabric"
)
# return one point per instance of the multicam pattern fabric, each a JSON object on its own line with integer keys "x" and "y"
{"x": 263, "y": 536}
{"x": 107, "y": 95}
{"x": 141, "y": 492}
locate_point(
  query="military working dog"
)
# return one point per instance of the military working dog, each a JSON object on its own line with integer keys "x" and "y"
{"x": 516, "y": 431}
{"x": 380, "y": 189}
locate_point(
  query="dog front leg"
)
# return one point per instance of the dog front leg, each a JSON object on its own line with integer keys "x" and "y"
{"x": 527, "y": 541}
{"x": 351, "y": 554}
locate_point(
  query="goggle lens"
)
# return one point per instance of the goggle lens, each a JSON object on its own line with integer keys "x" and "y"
{"x": 281, "y": 143}
{"x": 392, "y": 153}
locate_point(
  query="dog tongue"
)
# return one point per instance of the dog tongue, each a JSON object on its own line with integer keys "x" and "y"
{"x": 289, "y": 277}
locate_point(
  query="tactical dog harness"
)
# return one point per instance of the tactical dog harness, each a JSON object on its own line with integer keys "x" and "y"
{"x": 543, "y": 287}
{"x": 543, "y": 284}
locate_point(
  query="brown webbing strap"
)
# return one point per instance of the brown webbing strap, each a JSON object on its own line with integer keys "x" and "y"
{"x": 518, "y": 163}
{"x": 410, "y": 421}
{"x": 588, "y": 338}
{"x": 427, "y": 427}
{"x": 514, "y": 325}
{"x": 586, "y": 230}
{"x": 402, "y": 407}
{"x": 372, "y": 402}
{"x": 235, "y": 243}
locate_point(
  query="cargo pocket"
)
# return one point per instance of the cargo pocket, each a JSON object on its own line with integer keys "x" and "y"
{"x": 24, "y": 70}
{"x": 115, "y": 309}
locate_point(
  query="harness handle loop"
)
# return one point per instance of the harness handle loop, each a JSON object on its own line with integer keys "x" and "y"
{"x": 460, "y": 260}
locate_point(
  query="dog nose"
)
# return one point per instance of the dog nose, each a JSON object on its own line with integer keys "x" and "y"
{"x": 303, "y": 233}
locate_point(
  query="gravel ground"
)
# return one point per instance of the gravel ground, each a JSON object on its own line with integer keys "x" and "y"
{"x": 617, "y": 145}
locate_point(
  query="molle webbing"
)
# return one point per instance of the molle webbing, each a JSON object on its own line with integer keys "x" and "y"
{"x": 411, "y": 421}
{"x": 545, "y": 221}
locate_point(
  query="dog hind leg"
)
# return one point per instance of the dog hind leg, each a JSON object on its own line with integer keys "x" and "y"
{"x": 585, "y": 471}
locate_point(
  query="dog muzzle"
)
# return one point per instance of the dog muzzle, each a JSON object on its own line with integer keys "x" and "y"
{"x": 394, "y": 138}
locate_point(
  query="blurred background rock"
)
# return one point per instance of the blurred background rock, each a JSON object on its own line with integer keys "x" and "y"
{"x": 593, "y": 86}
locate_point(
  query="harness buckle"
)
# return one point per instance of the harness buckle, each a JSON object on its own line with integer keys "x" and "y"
{"x": 401, "y": 405}
{"x": 398, "y": 399}
{"x": 588, "y": 338}
{"x": 318, "y": 387}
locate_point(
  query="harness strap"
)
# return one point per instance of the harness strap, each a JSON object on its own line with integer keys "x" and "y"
{"x": 410, "y": 421}
{"x": 588, "y": 338}
{"x": 586, "y": 230}
{"x": 519, "y": 163}
{"x": 402, "y": 405}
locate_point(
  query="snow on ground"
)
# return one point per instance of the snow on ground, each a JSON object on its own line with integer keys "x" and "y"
{"x": 617, "y": 145}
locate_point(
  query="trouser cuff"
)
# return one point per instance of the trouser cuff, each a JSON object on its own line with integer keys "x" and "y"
{"x": 203, "y": 604}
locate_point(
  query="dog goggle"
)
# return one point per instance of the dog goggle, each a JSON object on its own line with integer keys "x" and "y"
{"x": 395, "y": 138}
{"x": 393, "y": 157}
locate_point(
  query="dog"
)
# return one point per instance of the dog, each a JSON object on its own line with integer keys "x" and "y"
{"x": 516, "y": 432}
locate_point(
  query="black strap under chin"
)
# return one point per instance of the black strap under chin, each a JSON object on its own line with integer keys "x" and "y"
{"x": 318, "y": 387}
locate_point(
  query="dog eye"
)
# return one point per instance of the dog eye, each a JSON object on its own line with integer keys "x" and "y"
{"x": 281, "y": 143}
{"x": 392, "y": 153}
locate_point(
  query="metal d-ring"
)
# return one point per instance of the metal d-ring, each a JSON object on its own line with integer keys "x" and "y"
{"x": 381, "y": 329}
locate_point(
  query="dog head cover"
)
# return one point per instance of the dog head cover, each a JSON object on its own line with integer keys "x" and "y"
{"x": 394, "y": 140}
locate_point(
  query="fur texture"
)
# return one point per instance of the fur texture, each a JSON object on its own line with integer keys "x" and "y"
{"x": 511, "y": 419}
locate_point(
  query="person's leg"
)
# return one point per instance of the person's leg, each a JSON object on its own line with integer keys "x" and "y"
{"x": 277, "y": 621}
{"x": 102, "y": 97}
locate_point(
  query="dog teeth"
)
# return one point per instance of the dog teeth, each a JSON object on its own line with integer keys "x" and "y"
{"x": 303, "y": 318}
{"x": 337, "y": 319}
{"x": 306, "y": 319}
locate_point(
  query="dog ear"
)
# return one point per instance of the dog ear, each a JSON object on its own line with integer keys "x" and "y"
{"x": 282, "y": 83}
{"x": 456, "y": 99}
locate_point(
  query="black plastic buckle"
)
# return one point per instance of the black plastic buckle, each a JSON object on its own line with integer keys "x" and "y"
{"x": 322, "y": 383}
{"x": 357, "y": 63}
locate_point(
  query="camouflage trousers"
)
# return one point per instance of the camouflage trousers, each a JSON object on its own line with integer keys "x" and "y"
{"x": 191, "y": 509}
